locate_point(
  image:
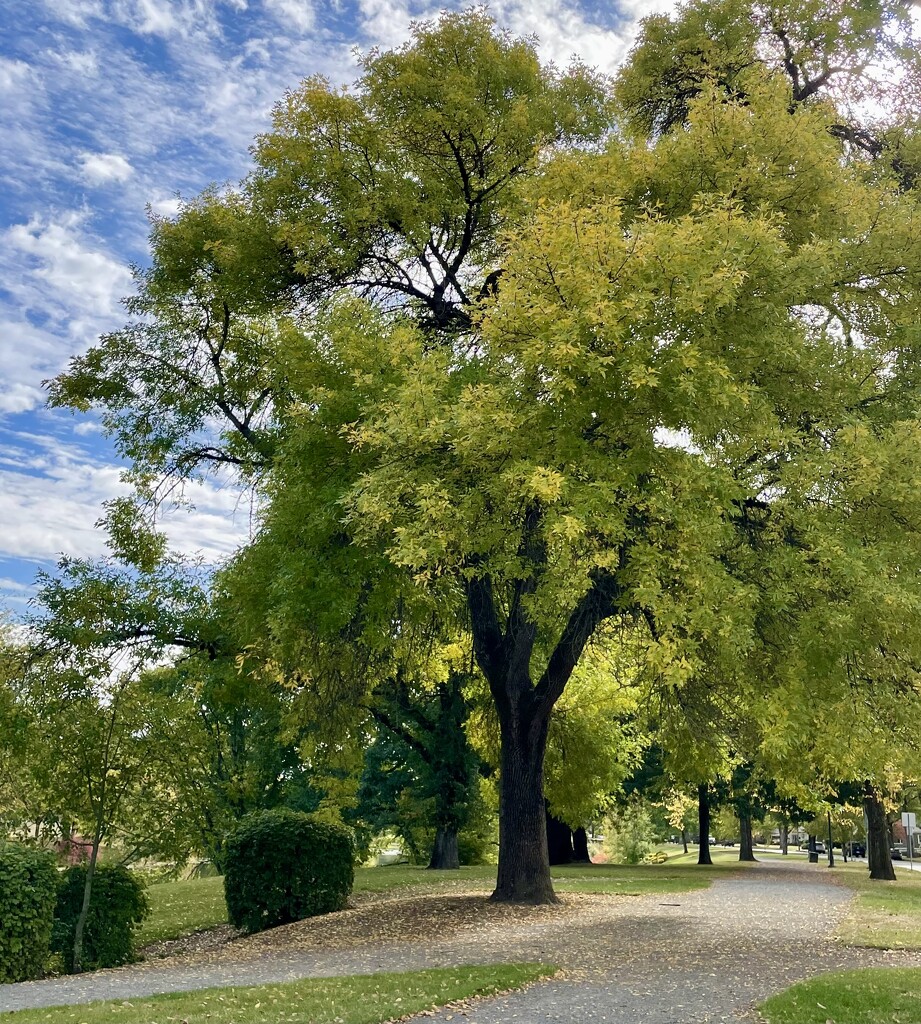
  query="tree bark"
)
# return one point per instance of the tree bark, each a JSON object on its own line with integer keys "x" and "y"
{"x": 580, "y": 854}
{"x": 85, "y": 907}
{"x": 784, "y": 838}
{"x": 445, "y": 855}
{"x": 813, "y": 853}
{"x": 684, "y": 839}
{"x": 524, "y": 865}
{"x": 703, "y": 824}
{"x": 878, "y": 856}
{"x": 746, "y": 844}
{"x": 559, "y": 841}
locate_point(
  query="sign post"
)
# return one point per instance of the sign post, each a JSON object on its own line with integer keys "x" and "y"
{"x": 909, "y": 823}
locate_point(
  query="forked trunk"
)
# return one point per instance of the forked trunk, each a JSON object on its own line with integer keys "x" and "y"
{"x": 580, "y": 852}
{"x": 703, "y": 824}
{"x": 524, "y": 866}
{"x": 878, "y": 856}
{"x": 445, "y": 855}
{"x": 746, "y": 844}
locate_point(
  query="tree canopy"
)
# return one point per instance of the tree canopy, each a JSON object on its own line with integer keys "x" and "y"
{"x": 509, "y": 352}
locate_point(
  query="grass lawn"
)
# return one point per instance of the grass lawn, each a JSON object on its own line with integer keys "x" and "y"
{"x": 363, "y": 999}
{"x": 868, "y": 996}
{"x": 885, "y": 915}
{"x": 178, "y": 908}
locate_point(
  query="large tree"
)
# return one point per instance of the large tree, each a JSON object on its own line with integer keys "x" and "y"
{"x": 648, "y": 416}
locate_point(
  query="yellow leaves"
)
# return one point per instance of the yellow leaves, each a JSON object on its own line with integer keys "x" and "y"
{"x": 545, "y": 484}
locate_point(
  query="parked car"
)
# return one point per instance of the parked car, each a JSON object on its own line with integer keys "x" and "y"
{"x": 895, "y": 853}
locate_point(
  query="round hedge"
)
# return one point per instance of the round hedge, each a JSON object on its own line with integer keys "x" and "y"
{"x": 282, "y": 866}
{"x": 28, "y": 883}
{"x": 117, "y": 903}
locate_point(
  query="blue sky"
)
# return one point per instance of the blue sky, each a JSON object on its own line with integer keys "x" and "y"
{"x": 108, "y": 107}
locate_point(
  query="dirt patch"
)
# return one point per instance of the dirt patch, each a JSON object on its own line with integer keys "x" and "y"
{"x": 384, "y": 919}
{"x": 205, "y": 941}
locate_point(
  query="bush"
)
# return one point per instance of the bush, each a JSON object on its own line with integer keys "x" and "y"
{"x": 27, "y": 892}
{"x": 283, "y": 866}
{"x": 656, "y": 857}
{"x": 117, "y": 903}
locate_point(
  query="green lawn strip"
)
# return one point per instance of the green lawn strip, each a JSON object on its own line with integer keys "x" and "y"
{"x": 884, "y": 915}
{"x": 868, "y": 996}
{"x": 363, "y": 999}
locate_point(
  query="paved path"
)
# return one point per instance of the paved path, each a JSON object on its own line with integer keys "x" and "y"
{"x": 672, "y": 959}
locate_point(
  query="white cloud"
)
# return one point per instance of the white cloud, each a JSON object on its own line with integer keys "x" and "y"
{"x": 76, "y": 12}
{"x": 168, "y": 207}
{"x": 52, "y": 493}
{"x": 14, "y": 74}
{"x": 292, "y": 13}
{"x": 84, "y": 64}
{"x": 82, "y": 278}
{"x": 99, "y": 168}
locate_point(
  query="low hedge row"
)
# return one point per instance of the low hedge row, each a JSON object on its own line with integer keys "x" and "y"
{"x": 39, "y": 908}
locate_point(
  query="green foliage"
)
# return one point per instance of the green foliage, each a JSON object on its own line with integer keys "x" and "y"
{"x": 27, "y": 896}
{"x": 282, "y": 866}
{"x": 629, "y": 834}
{"x": 118, "y": 903}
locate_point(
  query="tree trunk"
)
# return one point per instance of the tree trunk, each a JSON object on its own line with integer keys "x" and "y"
{"x": 85, "y": 908}
{"x": 684, "y": 839}
{"x": 444, "y": 851}
{"x": 703, "y": 824}
{"x": 559, "y": 841}
{"x": 784, "y": 838}
{"x": 878, "y": 856}
{"x": 524, "y": 865}
{"x": 746, "y": 844}
{"x": 813, "y": 853}
{"x": 580, "y": 854}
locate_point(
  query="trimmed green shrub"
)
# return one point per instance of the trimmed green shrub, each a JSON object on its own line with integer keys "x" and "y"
{"x": 117, "y": 903}
{"x": 283, "y": 866}
{"x": 28, "y": 880}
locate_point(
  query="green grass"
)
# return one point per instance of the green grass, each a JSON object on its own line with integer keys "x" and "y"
{"x": 885, "y": 915}
{"x": 868, "y": 996}
{"x": 363, "y": 999}
{"x": 179, "y": 908}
